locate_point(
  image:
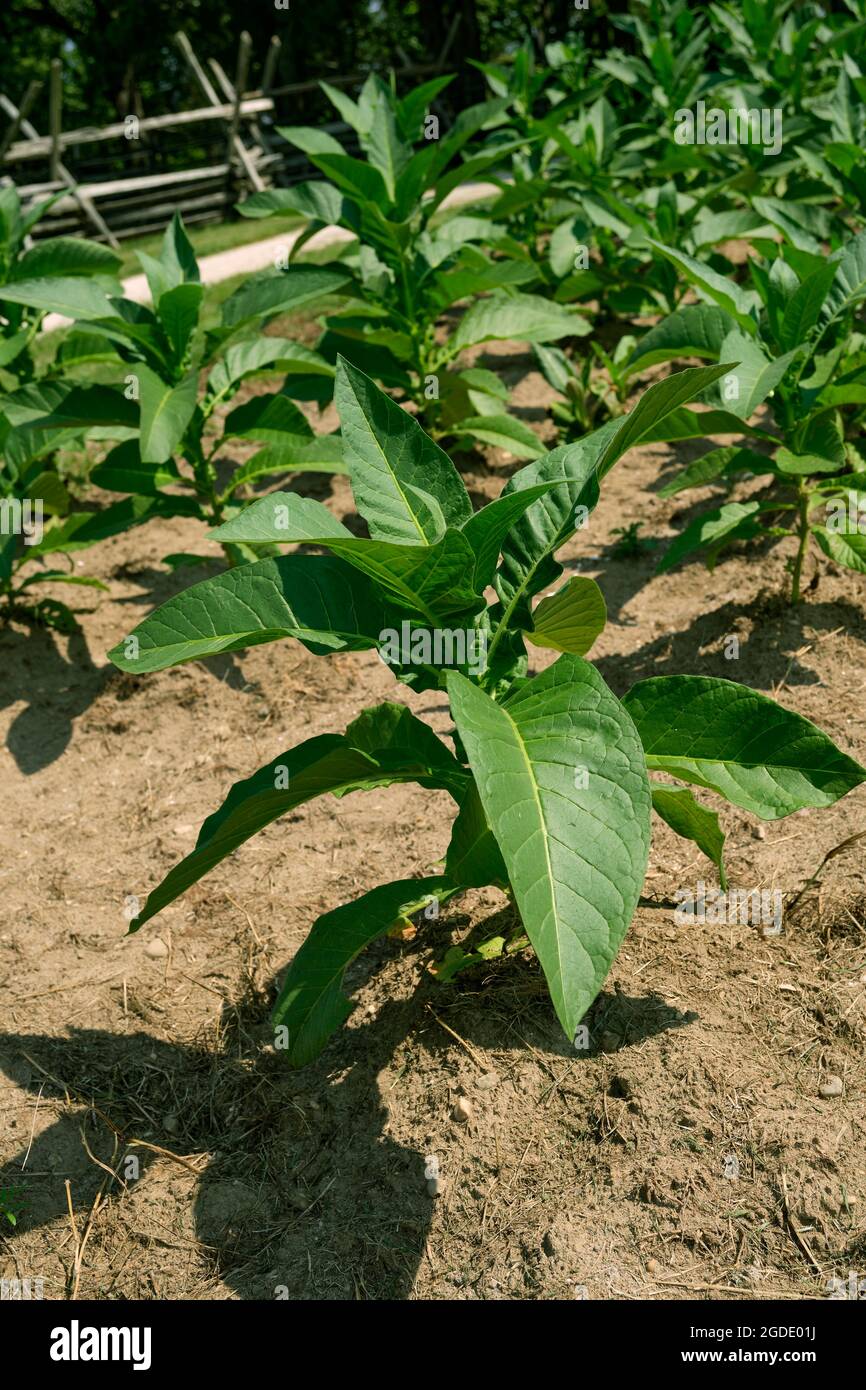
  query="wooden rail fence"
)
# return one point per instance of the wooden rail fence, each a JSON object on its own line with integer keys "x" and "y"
{"x": 238, "y": 131}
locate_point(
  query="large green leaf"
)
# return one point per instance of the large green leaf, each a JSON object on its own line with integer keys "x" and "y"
{"x": 82, "y": 529}
{"x": 561, "y": 776}
{"x": 64, "y": 255}
{"x": 77, "y": 408}
{"x": 733, "y": 520}
{"x": 742, "y": 305}
{"x": 322, "y": 454}
{"x": 312, "y": 1005}
{"x": 473, "y": 858}
{"x": 386, "y": 151}
{"x": 282, "y": 292}
{"x": 320, "y": 202}
{"x": 284, "y": 518}
{"x": 527, "y": 317}
{"x": 246, "y": 359}
{"x": 178, "y": 313}
{"x": 528, "y": 550}
{"x": 699, "y": 424}
{"x": 123, "y": 470}
{"x": 73, "y": 297}
{"x": 754, "y": 375}
{"x": 679, "y": 809}
{"x": 717, "y": 734}
{"x": 716, "y": 464}
{"x": 570, "y": 620}
{"x": 361, "y": 181}
{"x": 847, "y": 548}
{"x": 697, "y": 330}
{"x": 503, "y": 432}
{"x": 486, "y": 529}
{"x": 805, "y": 305}
{"x": 310, "y": 140}
{"x": 272, "y": 419}
{"x": 176, "y": 264}
{"x": 848, "y": 286}
{"x": 318, "y": 599}
{"x": 655, "y": 405}
{"x": 406, "y": 488}
{"x": 435, "y": 581}
{"x": 384, "y": 745}
{"x": 166, "y": 411}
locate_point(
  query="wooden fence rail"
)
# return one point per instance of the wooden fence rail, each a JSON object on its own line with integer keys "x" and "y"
{"x": 245, "y": 159}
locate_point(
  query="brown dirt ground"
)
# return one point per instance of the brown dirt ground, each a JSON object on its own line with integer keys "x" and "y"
{"x": 599, "y": 1174}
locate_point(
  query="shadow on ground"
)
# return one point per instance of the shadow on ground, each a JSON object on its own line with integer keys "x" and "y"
{"x": 299, "y": 1189}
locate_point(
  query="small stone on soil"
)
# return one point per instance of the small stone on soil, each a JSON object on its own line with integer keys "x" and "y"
{"x": 488, "y": 1081}
{"x": 156, "y": 949}
{"x": 462, "y": 1110}
{"x": 831, "y": 1087}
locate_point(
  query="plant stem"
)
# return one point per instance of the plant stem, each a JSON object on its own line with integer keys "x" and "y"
{"x": 803, "y": 532}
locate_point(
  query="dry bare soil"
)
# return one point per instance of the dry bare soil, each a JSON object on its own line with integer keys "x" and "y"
{"x": 689, "y": 1154}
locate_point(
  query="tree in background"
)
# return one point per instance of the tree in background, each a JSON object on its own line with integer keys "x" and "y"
{"x": 119, "y": 55}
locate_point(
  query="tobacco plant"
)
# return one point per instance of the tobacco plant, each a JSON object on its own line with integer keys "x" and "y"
{"x": 172, "y": 429}
{"x": 588, "y": 398}
{"x": 793, "y": 335}
{"x": 412, "y": 261}
{"x": 548, "y": 772}
{"x": 31, "y": 486}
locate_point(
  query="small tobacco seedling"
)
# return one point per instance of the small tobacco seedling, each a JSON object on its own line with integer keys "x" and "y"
{"x": 549, "y": 772}
{"x": 13, "y": 1204}
{"x": 631, "y": 544}
{"x": 589, "y": 399}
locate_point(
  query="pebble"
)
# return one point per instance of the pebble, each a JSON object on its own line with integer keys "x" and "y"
{"x": 462, "y": 1111}
{"x": 831, "y": 1087}
{"x": 156, "y": 949}
{"x": 488, "y": 1081}
{"x": 759, "y": 832}
{"x": 171, "y": 1123}
{"x": 653, "y": 1267}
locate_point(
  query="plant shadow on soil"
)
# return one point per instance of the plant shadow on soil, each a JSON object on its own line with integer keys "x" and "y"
{"x": 767, "y": 652}
{"x": 301, "y": 1192}
{"x": 57, "y": 686}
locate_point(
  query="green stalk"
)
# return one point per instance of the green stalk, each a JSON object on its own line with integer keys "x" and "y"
{"x": 803, "y": 532}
